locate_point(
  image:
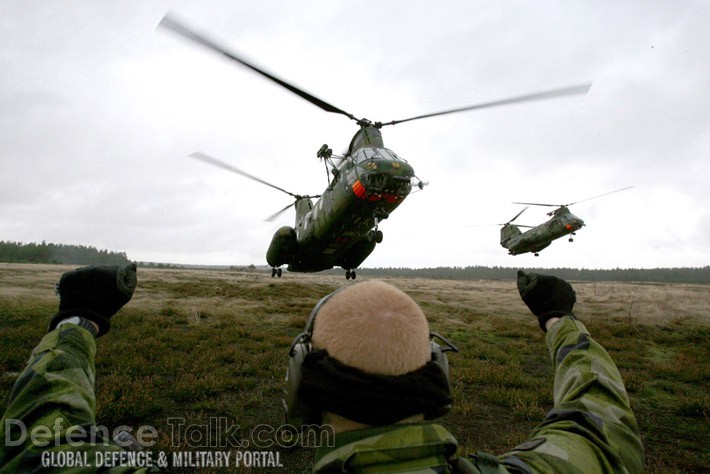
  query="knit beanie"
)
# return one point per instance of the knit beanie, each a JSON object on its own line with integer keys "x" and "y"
{"x": 374, "y": 327}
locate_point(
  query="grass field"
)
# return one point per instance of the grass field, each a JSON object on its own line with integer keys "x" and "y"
{"x": 202, "y": 345}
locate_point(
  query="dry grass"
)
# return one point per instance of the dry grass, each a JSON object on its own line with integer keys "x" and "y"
{"x": 201, "y": 344}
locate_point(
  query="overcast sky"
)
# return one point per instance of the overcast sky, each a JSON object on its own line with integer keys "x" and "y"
{"x": 99, "y": 111}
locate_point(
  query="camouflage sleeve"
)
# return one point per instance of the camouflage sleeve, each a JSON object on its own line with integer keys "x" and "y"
{"x": 49, "y": 422}
{"x": 591, "y": 427}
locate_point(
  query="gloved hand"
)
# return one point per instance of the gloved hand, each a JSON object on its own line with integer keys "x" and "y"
{"x": 546, "y": 296}
{"x": 95, "y": 293}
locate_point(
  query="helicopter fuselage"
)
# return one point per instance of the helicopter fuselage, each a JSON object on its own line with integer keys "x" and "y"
{"x": 539, "y": 237}
{"x": 340, "y": 228}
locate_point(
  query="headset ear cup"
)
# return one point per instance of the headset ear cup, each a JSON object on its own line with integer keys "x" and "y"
{"x": 297, "y": 412}
{"x": 438, "y": 357}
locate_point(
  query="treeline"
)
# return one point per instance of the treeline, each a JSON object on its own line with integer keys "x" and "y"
{"x": 16, "y": 252}
{"x": 656, "y": 275}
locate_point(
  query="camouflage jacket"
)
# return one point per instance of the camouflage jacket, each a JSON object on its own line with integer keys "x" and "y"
{"x": 49, "y": 423}
{"x": 591, "y": 428}
{"x": 49, "y": 418}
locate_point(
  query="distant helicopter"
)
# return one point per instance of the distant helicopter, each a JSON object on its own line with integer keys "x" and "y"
{"x": 368, "y": 183}
{"x": 563, "y": 223}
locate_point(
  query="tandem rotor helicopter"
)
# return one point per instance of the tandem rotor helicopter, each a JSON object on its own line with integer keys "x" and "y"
{"x": 562, "y": 223}
{"x": 367, "y": 183}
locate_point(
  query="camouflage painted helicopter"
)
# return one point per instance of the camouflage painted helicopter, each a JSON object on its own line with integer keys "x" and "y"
{"x": 367, "y": 184}
{"x": 562, "y": 223}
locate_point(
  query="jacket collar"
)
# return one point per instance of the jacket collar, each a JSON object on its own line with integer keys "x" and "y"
{"x": 416, "y": 445}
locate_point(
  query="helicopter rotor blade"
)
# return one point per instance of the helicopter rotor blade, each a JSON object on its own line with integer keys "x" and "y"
{"x": 539, "y": 204}
{"x": 214, "y": 161}
{"x": 171, "y": 23}
{"x": 517, "y": 215}
{"x": 277, "y": 214}
{"x": 573, "y": 90}
{"x": 594, "y": 197}
{"x": 576, "y": 202}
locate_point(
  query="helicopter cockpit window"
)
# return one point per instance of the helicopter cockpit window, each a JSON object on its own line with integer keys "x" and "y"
{"x": 392, "y": 155}
{"x": 364, "y": 154}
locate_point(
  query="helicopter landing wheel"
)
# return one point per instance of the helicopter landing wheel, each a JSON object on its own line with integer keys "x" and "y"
{"x": 537, "y": 254}
{"x": 276, "y": 272}
{"x": 378, "y": 236}
{"x": 350, "y": 274}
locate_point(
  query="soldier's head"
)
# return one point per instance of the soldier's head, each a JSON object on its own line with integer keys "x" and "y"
{"x": 366, "y": 358}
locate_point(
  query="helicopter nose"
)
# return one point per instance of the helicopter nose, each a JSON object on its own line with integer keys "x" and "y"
{"x": 384, "y": 181}
{"x": 574, "y": 224}
{"x": 385, "y": 185}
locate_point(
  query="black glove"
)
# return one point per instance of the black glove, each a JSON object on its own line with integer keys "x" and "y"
{"x": 95, "y": 293}
{"x": 546, "y": 296}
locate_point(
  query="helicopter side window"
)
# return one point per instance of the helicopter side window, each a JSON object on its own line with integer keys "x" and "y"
{"x": 360, "y": 156}
{"x": 345, "y": 164}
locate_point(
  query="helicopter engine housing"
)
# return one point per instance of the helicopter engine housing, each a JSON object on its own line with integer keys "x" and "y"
{"x": 283, "y": 246}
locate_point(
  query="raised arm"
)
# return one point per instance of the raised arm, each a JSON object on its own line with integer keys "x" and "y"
{"x": 49, "y": 424}
{"x": 591, "y": 427}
